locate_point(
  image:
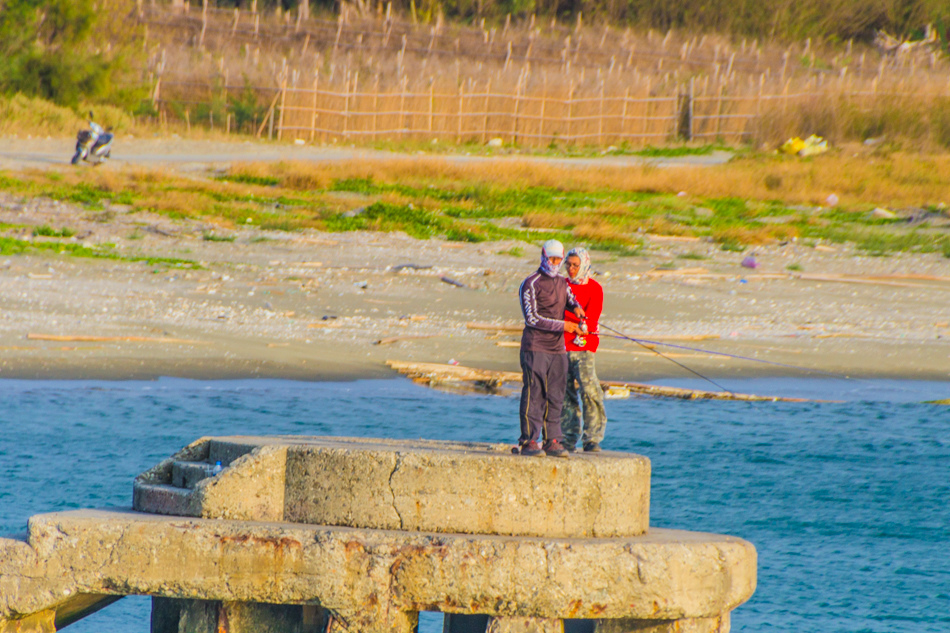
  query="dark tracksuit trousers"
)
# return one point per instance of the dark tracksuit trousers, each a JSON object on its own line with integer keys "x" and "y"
{"x": 544, "y": 378}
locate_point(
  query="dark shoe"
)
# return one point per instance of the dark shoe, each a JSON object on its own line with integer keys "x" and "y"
{"x": 554, "y": 449}
{"x": 591, "y": 447}
{"x": 570, "y": 448}
{"x": 531, "y": 449}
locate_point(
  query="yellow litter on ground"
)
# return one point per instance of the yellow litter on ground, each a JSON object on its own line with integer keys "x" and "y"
{"x": 809, "y": 147}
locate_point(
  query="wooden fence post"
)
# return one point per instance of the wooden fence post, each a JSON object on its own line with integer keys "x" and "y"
{"x": 692, "y": 108}
{"x": 544, "y": 95}
{"x": 283, "y": 100}
{"x": 719, "y": 113}
{"x": 600, "y": 118}
{"x": 402, "y": 107}
{"x": 758, "y": 104}
{"x": 646, "y": 115}
{"x": 156, "y": 95}
{"x": 376, "y": 107}
{"x": 346, "y": 105}
{"x": 514, "y": 121}
{"x": 623, "y": 114}
{"x": 570, "y": 113}
{"x": 487, "y": 103}
{"x": 431, "y": 102}
{"x": 458, "y": 135}
{"x": 313, "y": 106}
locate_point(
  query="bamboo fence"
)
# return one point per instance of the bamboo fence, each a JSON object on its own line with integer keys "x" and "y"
{"x": 472, "y": 113}
{"x": 368, "y": 78}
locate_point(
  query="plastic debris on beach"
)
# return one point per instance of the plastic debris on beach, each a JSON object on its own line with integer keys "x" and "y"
{"x": 749, "y": 262}
{"x": 809, "y": 147}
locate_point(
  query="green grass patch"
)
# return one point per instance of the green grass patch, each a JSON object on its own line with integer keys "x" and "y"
{"x": 692, "y": 255}
{"x": 48, "y": 231}
{"x": 675, "y": 152}
{"x": 732, "y": 246}
{"x": 13, "y": 246}
{"x": 247, "y": 179}
{"x": 214, "y": 237}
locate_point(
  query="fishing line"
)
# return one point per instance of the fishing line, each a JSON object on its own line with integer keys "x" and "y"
{"x": 646, "y": 343}
{"x": 661, "y": 354}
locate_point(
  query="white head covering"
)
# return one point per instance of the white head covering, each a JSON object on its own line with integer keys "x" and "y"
{"x": 551, "y": 248}
{"x": 583, "y": 273}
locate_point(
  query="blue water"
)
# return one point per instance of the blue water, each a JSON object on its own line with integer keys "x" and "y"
{"x": 847, "y": 503}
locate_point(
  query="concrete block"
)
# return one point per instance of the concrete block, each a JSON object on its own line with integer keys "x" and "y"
{"x": 465, "y": 488}
{"x": 426, "y": 486}
{"x": 378, "y": 579}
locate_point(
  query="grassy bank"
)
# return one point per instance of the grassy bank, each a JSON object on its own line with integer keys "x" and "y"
{"x": 881, "y": 203}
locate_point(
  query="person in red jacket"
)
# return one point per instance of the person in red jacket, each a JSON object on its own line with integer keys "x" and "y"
{"x": 583, "y": 386}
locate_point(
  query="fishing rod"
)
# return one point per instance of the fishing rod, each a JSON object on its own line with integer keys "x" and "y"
{"x": 646, "y": 343}
{"x": 662, "y": 355}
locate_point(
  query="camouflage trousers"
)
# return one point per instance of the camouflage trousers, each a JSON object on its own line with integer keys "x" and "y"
{"x": 583, "y": 388}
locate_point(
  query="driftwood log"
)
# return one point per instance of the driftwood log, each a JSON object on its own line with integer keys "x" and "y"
{"x": 490, "y": 381}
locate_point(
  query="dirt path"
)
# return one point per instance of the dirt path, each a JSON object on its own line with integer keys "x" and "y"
{"x": 188, "y": 154}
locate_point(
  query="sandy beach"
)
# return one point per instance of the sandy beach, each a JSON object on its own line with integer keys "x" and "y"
{"x": 318, "y": 306}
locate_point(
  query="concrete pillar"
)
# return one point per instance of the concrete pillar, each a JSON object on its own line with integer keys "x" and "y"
{"x": 373, "y": 619}
{"x": 198, "y": 616}
{"x": 720, "y": 624}
{"x": 464, "y": 623}
{"x": 525, "y": 625}
{"x": 203, "y": 616}
{"x": 166, "y": 612}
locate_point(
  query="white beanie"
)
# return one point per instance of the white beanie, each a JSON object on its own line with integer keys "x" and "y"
{"x": 553, "y": 248}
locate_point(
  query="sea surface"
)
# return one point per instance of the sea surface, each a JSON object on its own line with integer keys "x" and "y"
{"x": 847, "y": 503}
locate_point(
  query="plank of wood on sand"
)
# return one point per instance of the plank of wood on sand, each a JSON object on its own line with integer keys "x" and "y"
{"x": 113, "y": 339}
{"x": 395, "y": 339}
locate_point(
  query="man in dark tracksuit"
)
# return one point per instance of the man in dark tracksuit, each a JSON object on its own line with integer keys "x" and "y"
{"x": 544, "y": 296}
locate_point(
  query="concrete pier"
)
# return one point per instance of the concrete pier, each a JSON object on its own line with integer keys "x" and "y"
{"x": 330, "y": 534}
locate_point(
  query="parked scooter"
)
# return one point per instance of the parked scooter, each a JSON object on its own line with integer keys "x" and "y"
{"x": 93, "y": 145}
